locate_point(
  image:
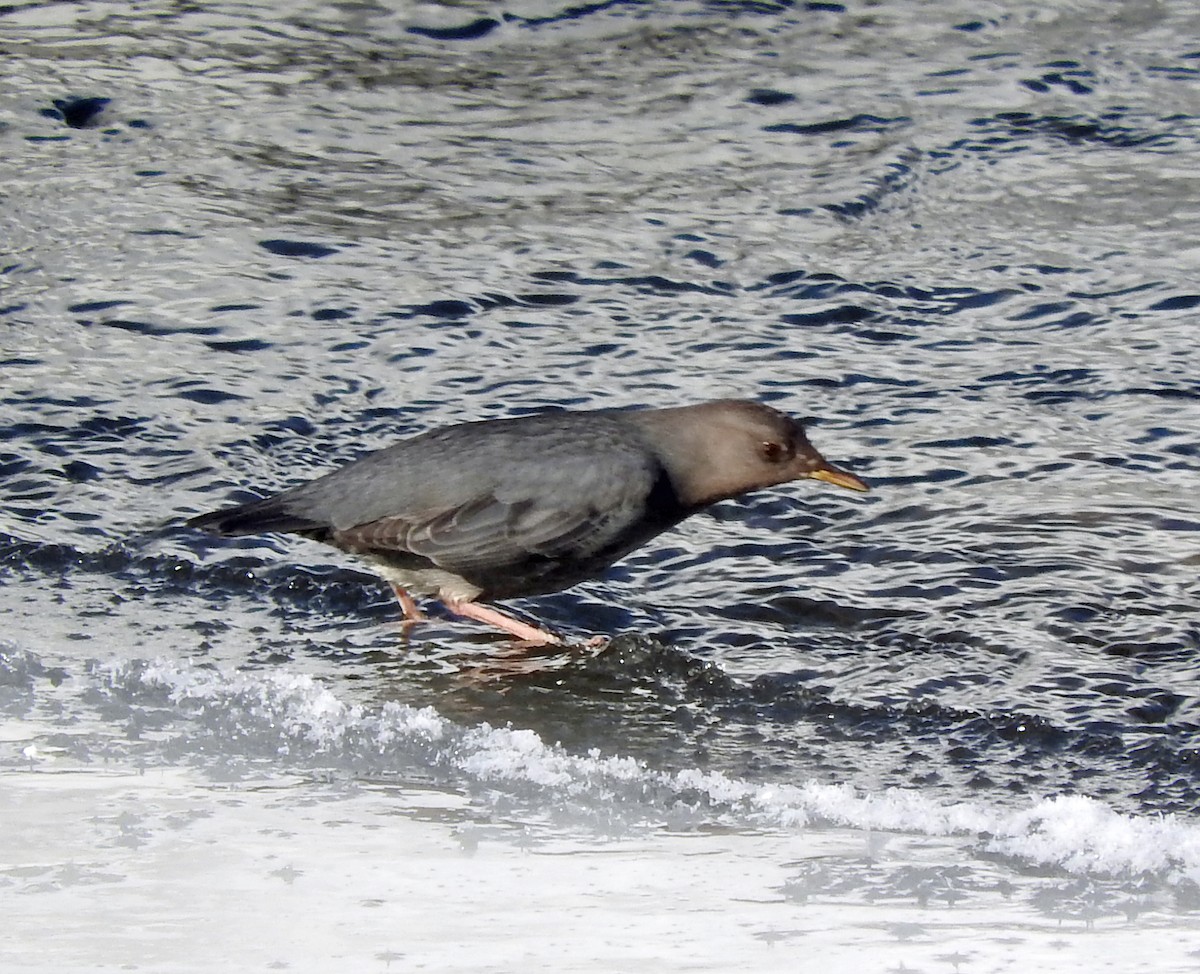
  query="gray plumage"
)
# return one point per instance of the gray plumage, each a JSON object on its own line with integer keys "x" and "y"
{"x": 524, "y": 506}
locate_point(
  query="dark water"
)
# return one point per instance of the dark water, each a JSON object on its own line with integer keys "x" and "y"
{"x": 959, "y": 242}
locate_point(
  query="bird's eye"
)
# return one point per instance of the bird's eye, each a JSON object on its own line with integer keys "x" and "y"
{"x": 773, "y": 452}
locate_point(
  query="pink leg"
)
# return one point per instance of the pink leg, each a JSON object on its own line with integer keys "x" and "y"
{"x": 494, "y": 617}
{"x": 408, "y": 605}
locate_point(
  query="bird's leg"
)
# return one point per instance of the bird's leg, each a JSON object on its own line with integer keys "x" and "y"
{"x": 408, "y": 605}
{"x": 494, "y": 617}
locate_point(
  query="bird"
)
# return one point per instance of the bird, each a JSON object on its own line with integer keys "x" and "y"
{"x": 497, "y": 509}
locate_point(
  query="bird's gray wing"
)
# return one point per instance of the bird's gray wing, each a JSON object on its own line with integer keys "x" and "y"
{"x": 578, "y": 507}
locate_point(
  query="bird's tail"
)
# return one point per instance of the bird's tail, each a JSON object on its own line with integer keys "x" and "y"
{"x": 257, "y": 517}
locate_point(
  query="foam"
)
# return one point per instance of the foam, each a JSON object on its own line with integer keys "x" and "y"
{"x": 300, "y": 717}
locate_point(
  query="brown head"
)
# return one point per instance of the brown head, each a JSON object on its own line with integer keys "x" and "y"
{"x": 721, "y": 449}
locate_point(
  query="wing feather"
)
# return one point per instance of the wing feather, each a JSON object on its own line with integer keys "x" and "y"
{"x": 577, "y": 507}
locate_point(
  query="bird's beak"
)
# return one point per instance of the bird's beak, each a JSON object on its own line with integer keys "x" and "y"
{"x": 839, "y": 478}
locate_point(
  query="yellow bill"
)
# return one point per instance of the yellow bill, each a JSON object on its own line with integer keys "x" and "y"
{"x": 839, "y": 478}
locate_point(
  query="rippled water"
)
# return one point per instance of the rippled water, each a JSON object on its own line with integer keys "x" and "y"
{"x": 958, "y": 240}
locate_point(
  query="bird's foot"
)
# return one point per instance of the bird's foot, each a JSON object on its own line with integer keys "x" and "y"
{"x": 523, "y": 631}
{"x": 408, "y": 605}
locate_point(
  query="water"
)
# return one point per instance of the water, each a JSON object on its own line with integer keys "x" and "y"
{"x": 958, "y": 242}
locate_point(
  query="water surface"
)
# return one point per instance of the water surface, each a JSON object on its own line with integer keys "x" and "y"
{"x": 958, "y": 242}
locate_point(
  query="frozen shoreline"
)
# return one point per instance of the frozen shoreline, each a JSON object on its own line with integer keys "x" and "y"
{"x": 166, "y": 870}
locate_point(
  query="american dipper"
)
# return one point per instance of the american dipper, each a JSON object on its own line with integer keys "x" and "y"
{"x": 515, "y": 507}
